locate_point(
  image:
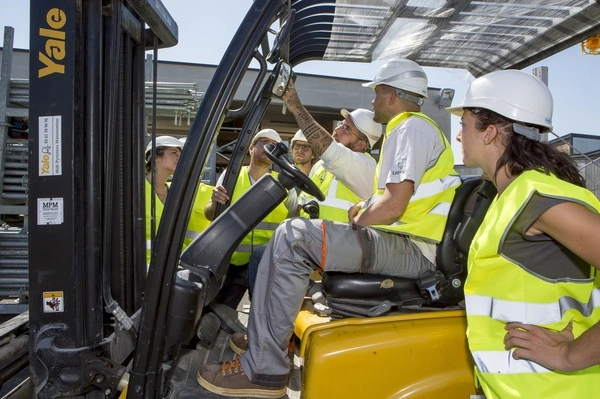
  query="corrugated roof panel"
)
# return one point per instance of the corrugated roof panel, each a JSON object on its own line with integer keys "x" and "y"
{"x": 479, "y": 36}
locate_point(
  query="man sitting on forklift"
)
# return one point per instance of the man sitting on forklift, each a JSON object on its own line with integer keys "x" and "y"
{"x": 395, "y": 233}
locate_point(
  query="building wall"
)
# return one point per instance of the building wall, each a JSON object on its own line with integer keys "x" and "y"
{"x": 20, "y": 64}
{"x": 323, "y": 96}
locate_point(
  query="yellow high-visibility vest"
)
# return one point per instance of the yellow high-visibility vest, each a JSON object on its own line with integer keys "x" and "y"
{"x": 198, "y": 222}
{"x": 497, "y": 291}
{"x": 264, "y": 230}
{"x": 426, "y": 214}
{"x": 159, "y": 206}
{"x": 338, "y": 197}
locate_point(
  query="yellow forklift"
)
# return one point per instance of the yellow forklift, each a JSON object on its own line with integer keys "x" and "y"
{"x": 102, "y": 326}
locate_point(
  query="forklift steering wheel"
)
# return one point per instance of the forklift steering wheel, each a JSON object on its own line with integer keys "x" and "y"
{"x": 276, "y": 154}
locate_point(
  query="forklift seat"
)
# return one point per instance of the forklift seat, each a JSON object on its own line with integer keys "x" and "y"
{"x": 360, "y": 295}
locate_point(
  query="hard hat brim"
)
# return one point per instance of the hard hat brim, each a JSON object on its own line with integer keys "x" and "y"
{"x": 371, "y": 85}
{"x": 458, "y": 111}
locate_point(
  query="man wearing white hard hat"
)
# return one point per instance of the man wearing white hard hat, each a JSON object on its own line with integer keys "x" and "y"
{"x": 394, "y": 234}
{"x": 162, "y": 157}
{"x": 302, "y": 154}
{"x": 236, "y": 282}
{"x": 303, "y": 158}
{"x": 415, "y": 180}
{"x": 345, "y": 171}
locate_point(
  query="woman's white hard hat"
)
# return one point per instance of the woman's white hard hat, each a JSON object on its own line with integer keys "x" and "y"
{"x": 513, "y": 94}
{"x": 164, "y": 141}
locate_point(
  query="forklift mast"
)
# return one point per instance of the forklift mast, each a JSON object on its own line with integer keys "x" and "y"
{"x": 96, "y": 314}
{"x": 86, "y": 232}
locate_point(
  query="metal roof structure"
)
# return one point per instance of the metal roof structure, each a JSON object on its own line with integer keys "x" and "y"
{"x": 477, "y": 35}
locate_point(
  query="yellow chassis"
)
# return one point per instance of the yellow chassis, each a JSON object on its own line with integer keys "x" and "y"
{"x": 412, "y": 355}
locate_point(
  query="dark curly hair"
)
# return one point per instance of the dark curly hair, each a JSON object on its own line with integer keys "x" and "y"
{"x": 522, "y": 153}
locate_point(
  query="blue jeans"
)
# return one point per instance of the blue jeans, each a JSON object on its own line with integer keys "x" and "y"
{"x": 234, "y": 287}
{"x": 253, "y": 266}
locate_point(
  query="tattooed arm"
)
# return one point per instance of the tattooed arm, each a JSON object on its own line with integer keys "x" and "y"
{"x": 317, "y": 136}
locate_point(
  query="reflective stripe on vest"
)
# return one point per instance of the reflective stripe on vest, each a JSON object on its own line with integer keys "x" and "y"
{"x": 338, "y": 197}
{"x": 426, "y": 190}
{"x": 148, "y": 254}
{"x": 261, "y": 234}
{"x": 498, "y": 291}
{"x": 503, "y": 362}
{"x": 333, "y": 202}
{"x": 530, "y": 313}
{"x": 247, "y": 248}
{"x": 426, "y": 213}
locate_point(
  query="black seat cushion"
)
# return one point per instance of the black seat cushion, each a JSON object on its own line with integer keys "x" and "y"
{"x": 371, "y": 288}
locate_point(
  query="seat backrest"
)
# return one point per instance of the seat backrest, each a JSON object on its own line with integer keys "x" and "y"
{"x": 475, "y": 210}
{"x": 473, "y": 198}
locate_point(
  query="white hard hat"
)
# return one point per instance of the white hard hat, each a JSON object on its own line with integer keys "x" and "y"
{"x": 164, "y": 141}
{"x": 266, "y": 133}
{"x": 183, "y": 140}
{"x": 516, "y": 95}
{"x": 299, "y": 136}
{"x": 363, "y": 120}
{"x": 401, "y": 74}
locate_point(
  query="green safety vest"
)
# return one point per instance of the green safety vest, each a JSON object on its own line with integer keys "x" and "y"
{"x": 198, "y": 222}
{"x": 159, "y": 206}
{"x": 426, "y": 214}
{"x": 264, "y": 230}
{"x": 338, "y": 197}
{"x": 498, "y": 291}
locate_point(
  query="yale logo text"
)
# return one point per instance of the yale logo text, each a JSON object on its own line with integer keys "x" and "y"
{"x": 55, "y": 49}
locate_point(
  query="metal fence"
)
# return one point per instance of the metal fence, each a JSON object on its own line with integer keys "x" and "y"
{"x": 591, "y": 172}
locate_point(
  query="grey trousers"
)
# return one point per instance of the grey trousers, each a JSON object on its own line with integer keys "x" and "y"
{"x": 297, "y": 248}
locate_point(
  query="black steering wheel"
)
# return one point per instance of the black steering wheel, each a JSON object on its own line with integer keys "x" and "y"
{"x": 276, "y": 154}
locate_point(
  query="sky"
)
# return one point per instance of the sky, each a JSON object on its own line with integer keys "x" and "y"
{"x": 206, "y": 28}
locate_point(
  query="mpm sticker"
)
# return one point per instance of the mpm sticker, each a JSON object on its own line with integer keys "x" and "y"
{"x": 50, "y": 211}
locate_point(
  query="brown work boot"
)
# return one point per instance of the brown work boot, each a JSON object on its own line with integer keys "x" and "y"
{"x": 239, "y": 343}
{"x": 229, "y": 379}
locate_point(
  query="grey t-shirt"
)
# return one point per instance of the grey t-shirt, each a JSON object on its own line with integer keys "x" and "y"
{"x": 541, "y": 255}
{"x": 411, "y": 148}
